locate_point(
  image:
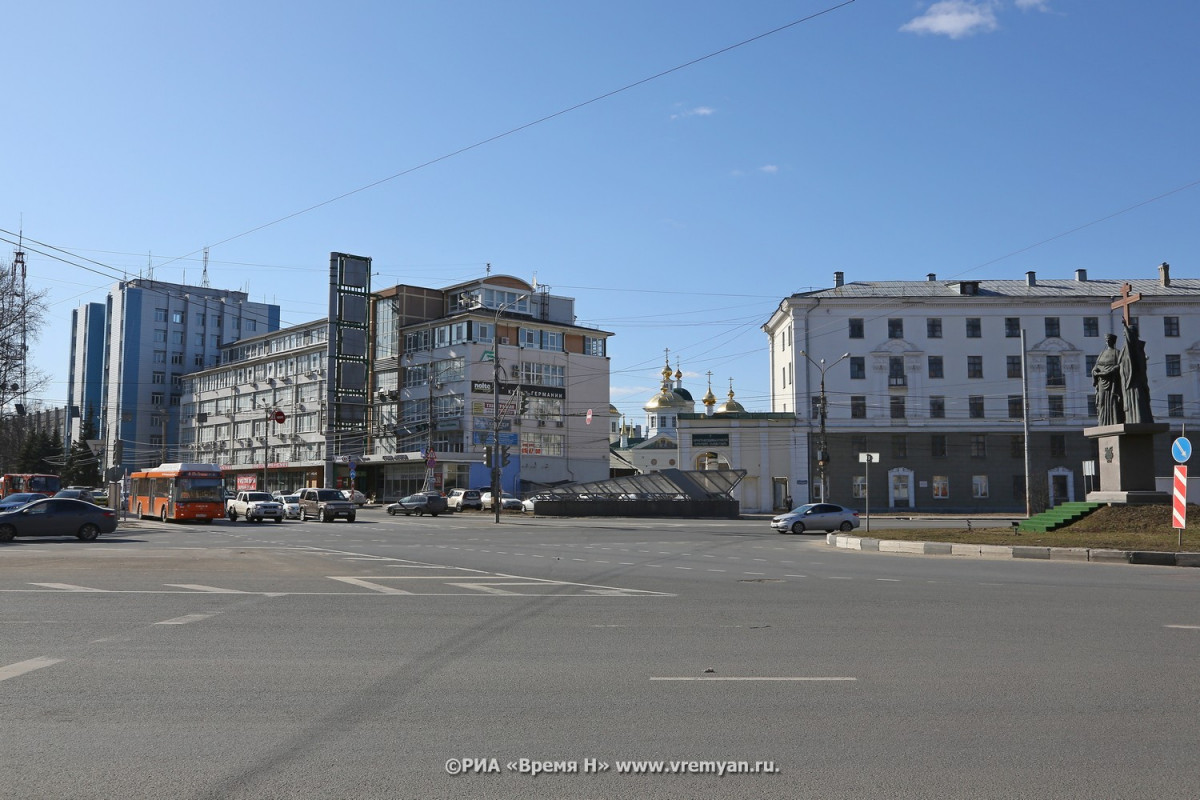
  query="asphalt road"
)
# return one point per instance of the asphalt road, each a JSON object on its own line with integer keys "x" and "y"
{"x": 370, "y": 660}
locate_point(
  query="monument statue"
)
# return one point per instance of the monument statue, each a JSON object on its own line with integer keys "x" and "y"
{"x": 1106, "y": 377}
{"x": 1136, "y": 388}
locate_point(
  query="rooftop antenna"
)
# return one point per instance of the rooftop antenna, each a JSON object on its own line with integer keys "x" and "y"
{"x": 18, "y": 269}
{"x": 204, "y": 275}
{"x": 149, "y": 266}
{"x": 488, "y": 270}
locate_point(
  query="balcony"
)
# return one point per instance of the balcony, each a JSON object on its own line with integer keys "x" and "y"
{"x": 900, "y": 381}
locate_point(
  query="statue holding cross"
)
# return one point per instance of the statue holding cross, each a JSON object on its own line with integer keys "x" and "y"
{"x": 1134, "y": 385}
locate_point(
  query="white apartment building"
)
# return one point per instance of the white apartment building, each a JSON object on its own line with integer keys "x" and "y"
{"x": 934, "y": 376}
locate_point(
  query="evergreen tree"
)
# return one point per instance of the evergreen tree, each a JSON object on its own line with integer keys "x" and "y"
{"x": 82, "y": 467}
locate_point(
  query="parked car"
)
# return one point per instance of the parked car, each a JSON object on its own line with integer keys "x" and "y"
{"x": 18, "y": 499}
{"x": 57, "y": 516}
{"x": 291, "y": 505}
{"x": 507, "y": 502}
{"x": 355, "y": 496}
{"x": 420, "y": 504}
{"x": 77, "y": 493}
{"x": 826, "y": 517}
{"x": 325, "y": 505}
{"x": 462, "y": 499}
{"x": 530, "y": 503}
{"x": 254, "y": 506}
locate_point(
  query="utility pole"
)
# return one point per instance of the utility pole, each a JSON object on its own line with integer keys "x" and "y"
{"x": 822, "y": 408}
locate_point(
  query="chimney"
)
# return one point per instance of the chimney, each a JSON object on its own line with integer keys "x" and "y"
{"x": 1081, "y": 275}
{"x": 1164, "y": 274}
{"x": 838, "y": 279}
{"x": 1031, "y": 278}
{"x": 931, "y": 277}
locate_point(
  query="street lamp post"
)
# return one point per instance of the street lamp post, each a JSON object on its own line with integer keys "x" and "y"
{"x": 822, "y": 443}
{"x": 496, "y": 465}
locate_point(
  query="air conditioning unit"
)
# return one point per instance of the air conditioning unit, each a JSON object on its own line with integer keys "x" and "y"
{"x": 503, "y": 340}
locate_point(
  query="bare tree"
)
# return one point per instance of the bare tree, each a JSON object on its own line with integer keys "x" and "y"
{"x": 22, "y": 313}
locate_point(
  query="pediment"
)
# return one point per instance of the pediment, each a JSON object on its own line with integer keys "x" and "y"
{"x": 1054, "y": 345}
{"x": 896, "y": 347}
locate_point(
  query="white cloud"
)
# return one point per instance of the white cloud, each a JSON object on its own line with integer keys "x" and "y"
{"x": 958, "y": 18}
{"x": 1033, "y": 5}
{"x": 698, "y": 111}
{"x": 769, "y": 169}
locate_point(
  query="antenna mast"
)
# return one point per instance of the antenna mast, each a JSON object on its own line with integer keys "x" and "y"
{"x": 204, "y": 276}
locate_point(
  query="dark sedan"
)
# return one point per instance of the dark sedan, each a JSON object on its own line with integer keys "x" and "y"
{"x": 430, "y": 503}
{"x": 57, "y": 516}
{"x": 18, "y": 499}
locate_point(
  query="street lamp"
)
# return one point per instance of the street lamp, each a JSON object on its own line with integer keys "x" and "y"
{"x": 496, "y": 465}
{"x": 822, "y": 443}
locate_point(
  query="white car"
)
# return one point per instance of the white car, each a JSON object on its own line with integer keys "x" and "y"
{"x": 507, "y": 502}
{"x": 291, "y": 505}
{"x": 355, "y": 496}
{"x": 810, "y": 517}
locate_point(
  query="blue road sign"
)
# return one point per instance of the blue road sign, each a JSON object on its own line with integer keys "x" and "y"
{"x": 1181, "y": 449}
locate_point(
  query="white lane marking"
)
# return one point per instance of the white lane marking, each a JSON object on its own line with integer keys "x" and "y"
{"x": 757, "y": 678}
{"x": 1184, "y": 627}
{"x": 889, "y": 580}
{"x": 199, "y": 587}
{"x": 21, "y": 667}
{"x": 795, "y": 576}
{"x": 185, "y": 619}
{"x": 68, "y": 587}
{"x": 375, "y": 587}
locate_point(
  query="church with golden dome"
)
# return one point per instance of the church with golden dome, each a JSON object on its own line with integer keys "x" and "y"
{"x": 674, "y": 435}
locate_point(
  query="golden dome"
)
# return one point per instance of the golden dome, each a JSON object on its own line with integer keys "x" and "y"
{"x": 666, "y": 399}
{"x": 730, "y": 406}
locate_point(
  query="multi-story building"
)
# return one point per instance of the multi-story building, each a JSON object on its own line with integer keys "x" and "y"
{"x": 85, "y": 377}
{"x": 450, "y": 366}
{"x": 934, "y": 377}
{"x": 154, "y": 333}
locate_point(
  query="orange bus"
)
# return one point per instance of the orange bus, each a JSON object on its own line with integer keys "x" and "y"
{"x": 26, "y": 482}
{"x": 178, "y": 492}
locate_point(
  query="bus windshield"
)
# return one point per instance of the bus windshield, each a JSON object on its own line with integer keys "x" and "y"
{"x": 44, "y": 483}
{"x": 211, "y": 489}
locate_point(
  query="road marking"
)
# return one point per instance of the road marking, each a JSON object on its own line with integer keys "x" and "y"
{"x": 21, "y": 667}
{"x": 67, "y": 587}
{"x": 375, "y": 587}
{"x": 759, "y": 678}
{"x": 199, "y": 587}
{"x": 185, "y": 619}
{"x": 889, "y": 580}
{"x": 1184, "y": 627}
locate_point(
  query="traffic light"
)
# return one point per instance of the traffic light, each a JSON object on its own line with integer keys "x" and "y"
{"x": 524, "y": 400}
{"x": 822, "y": 457}
{"x": 487, "y": 456}
{"x": 504, "y": 455}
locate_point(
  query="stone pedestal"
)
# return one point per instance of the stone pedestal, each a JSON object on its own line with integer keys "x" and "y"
{"x": 1127, "y": 463}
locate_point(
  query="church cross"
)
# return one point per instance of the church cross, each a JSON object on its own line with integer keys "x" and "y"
{"x": 1126, "y": 301}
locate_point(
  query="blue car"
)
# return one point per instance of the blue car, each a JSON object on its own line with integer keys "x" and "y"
{"x": 9, "y": 502}
{"x": 57, "y": 516}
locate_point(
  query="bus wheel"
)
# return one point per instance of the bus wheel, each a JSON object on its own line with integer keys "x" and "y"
{"x": 163, "y": 514}
{"x": 139, "y": 514}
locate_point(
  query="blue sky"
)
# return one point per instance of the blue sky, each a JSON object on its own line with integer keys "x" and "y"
{"x": 883, "y": 138}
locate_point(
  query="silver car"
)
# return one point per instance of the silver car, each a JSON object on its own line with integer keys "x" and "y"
{"x": 826, "y": 517}
{"x": 291, "y": 505}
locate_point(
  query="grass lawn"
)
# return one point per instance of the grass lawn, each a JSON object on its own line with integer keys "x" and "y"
{"x": 1109, "y": 527}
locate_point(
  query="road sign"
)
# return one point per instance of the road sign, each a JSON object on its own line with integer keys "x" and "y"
{"x": 868, "y": 458}
{"x": 352, "y": 474}
{"x": 589, "y": 417}
{"x": 1179, "y": 506}
{"x": 488, "y": 355}
{"x": 279, "y": 416}
{"x": 1181, "y": 449}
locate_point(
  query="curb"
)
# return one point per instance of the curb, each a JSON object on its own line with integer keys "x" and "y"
{"x": 995, "y": 551}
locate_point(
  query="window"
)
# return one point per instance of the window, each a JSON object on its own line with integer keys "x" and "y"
{"x": 1052, "y": 327}
{"x": 156, "y": 398}
{"x": 176, "y": 337}
{"x": 1016, "y": 447}
{"x": 160, "y": 315}
{"x": 1089, "y": 363}
{"x": 941, "y": 487}
{"x": 935, "y": 367}
{"x": 593, "y": 346}
{"x": 1173, "y": 368}
{"x": 897, "y": 406}
{"x": 858, "y": 368}
{"x": 933, "y": 328}
{"x": 974, "y": 328}
{"x": 1174, "y": 405}
{"x": 1013, "y": 366}
{"x": 1170, "y": 326}
{"x": 937, "y": 407}
{"x": 200, "y": 318}
{"x": 177, "y": 317}
{"x": 1015, "y": 406}
{"x": 896, "y": 371}
{"x": 937, "y": 445}
{"x": 1018, "y": 488}
{"x": 1091, "y": 406}
{"x": 978, "y": 445}
{"x": 858, "y": 406}
{"x": 979, "y": 486}
{"x": 1054, "y": 371}
{"x": 1056, "y": 406}
{"x": 1012, "y": 327}
{"x": 176, "y": 358}
{"x": 858, "y": 488}
{"x": 895, "y": 329}
{"x": 160, "y": 356}
{"x": 975, "y": 406}
{"x": 1091, "y": 327}
{"x": 974, "y": 366}
{"x": 1058, "y": 445}
{"x": 899, "y": 446}
{"x": 160, "y": 336}
{"x": 856, "y": 329}
{"x": 158, "y": 377}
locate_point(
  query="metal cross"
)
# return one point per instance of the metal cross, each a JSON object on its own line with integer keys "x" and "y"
{"x": 1126, "y": 301}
